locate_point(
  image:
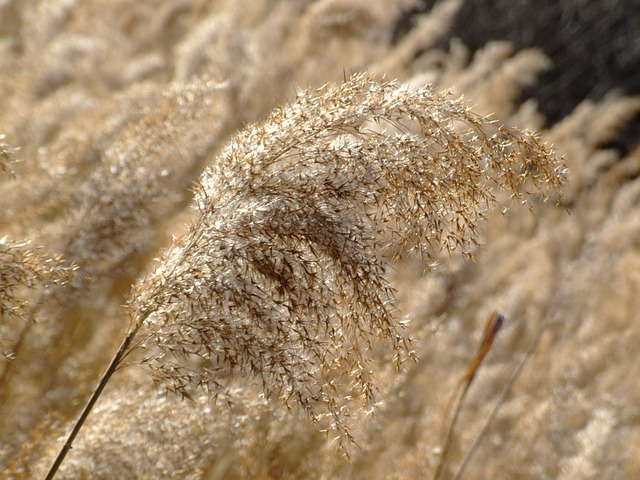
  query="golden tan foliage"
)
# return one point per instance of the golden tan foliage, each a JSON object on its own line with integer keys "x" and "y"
{"x": 281, "y": 276}
{"x": 116, "y": 107}
{"x": 23, "y": 271}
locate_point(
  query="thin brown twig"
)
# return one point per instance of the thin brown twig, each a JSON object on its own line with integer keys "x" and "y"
{"x": 106, "y": 376}
{"x": 503, "y": 395}
{"x": 491, "y": 329}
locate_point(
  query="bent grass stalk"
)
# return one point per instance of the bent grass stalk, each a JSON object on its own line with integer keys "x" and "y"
{"x": 493, "y": 325}
{"x": 503, "y": 394}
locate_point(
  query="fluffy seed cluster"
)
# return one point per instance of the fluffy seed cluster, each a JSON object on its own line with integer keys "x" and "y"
{"x": 23, "y": 271}
{"x": 282, "y": 276}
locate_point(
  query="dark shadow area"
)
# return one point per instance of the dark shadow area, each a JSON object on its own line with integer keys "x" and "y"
{"x": 594, "y": 46}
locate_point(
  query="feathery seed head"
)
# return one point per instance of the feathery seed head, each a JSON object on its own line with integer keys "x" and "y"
{"x": 283, "y": 274}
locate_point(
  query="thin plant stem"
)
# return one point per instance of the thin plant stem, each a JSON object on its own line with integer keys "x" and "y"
{"x": 447, "y": 443}
{"x": 503, "y": 395}
{"x": 106, "y": 376}
{"x": 491, "y": 329}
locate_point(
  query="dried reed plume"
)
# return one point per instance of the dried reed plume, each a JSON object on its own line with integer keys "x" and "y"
{"x": 24, "y": 269}
{"x": 282, "y": 276}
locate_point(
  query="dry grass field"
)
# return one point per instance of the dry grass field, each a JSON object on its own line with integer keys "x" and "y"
{"x": 277, "y": 196}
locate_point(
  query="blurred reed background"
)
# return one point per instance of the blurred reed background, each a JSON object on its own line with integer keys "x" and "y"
{"x": 109, "y": 113}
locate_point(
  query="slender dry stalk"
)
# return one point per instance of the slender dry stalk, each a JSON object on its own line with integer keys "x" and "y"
{"x": 500, "y": 401}
{"x": 283, "y": 275}
{"x": 95, "y": 395}
{"x": 493, "y": 325}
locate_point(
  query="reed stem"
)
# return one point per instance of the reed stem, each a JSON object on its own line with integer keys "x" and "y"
{"x": 106, "y": 376}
